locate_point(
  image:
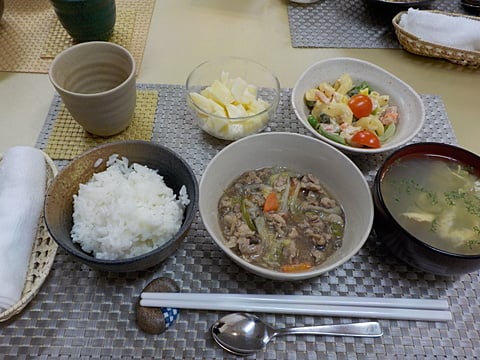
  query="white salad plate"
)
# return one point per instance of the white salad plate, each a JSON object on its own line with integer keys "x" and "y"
{"x": 410, "y": 107}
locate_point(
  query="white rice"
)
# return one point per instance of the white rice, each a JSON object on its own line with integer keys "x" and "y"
{"x": 126, "y": 211}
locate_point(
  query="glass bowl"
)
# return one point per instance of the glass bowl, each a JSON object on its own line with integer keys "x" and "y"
{"x": 232, "y": 97}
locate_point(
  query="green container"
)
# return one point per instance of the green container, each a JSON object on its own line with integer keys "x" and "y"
{"x": 86, "y": 20}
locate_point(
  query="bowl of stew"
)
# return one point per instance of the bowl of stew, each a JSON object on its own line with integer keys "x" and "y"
{"x": 285, "y": 206}
{"x": 357, "y": 106}
{"x": 427, "y": 207}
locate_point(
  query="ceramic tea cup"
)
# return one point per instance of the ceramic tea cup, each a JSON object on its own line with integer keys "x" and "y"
{"x": 86, "y": 20}
{"x": 96, "y": 81}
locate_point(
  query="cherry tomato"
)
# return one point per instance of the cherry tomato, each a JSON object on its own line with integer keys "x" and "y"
{"x": 366, "y": 138}
{"x": 361, "y": 105}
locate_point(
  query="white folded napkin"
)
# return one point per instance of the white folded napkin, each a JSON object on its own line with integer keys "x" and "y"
{"x": 452, "y": 31}
{"x": 22, "y": 193}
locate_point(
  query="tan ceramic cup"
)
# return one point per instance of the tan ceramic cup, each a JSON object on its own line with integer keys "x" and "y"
{"x": 96, "y": 81}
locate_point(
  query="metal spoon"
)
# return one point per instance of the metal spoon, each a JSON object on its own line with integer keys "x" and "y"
{"x": 244, "y": 334}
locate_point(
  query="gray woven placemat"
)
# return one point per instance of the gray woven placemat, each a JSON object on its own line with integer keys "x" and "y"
{"x": 83, "y": 314}
{"x": 349, "y": 23}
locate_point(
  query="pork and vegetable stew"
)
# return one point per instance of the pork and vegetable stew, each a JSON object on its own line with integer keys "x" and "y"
{"x": 281, "y": 220}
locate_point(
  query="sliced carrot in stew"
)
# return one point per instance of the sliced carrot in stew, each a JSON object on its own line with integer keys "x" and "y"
{"x": 271, "y": 202}
{"x": 295, "y": 267}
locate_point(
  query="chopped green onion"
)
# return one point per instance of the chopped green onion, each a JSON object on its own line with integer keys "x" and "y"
{"x": 246, "y": 214}
{"x": 293, "y": 199}
{"x": 284, "y": 201}
{"x": 336, "y": 229}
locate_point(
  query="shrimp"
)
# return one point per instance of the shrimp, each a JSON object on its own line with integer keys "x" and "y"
{"x": 390, "y": 116}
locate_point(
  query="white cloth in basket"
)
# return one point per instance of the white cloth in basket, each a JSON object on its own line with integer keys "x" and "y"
{"x": 22, "y": 193}
{"x": 452, "y": 31}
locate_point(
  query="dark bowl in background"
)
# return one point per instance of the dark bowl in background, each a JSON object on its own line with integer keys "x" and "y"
{"x": 400, "y": 3}
{"x": 59, "y": 199}
{"x": 404, "y": 245}
{"x": 384, "y": 11}
{"x": 92, "y": 20}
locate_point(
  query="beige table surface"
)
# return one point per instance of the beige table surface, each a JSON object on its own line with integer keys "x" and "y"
{"x": 184, "y": 33}
{"x": 98, "y": 323}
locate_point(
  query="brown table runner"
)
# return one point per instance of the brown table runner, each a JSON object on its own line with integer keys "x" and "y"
{"x": 68, "y": 139}
{"x": 31, "y": 35}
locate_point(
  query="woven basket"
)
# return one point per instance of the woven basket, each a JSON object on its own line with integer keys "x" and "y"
{"x": 41, "y": 261}
{"x": 415, "y": 45}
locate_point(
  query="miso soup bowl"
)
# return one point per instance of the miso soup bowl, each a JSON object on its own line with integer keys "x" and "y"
{"x": 412, "y": 250}
{"x": 305, "y": 154}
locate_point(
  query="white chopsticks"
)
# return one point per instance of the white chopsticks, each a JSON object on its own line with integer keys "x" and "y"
{"x": 365, "y": 307}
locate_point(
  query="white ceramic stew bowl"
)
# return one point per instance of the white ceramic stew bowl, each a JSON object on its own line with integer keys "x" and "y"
{"x": 305, "y": 154}
{"x": 410, "y": 107}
